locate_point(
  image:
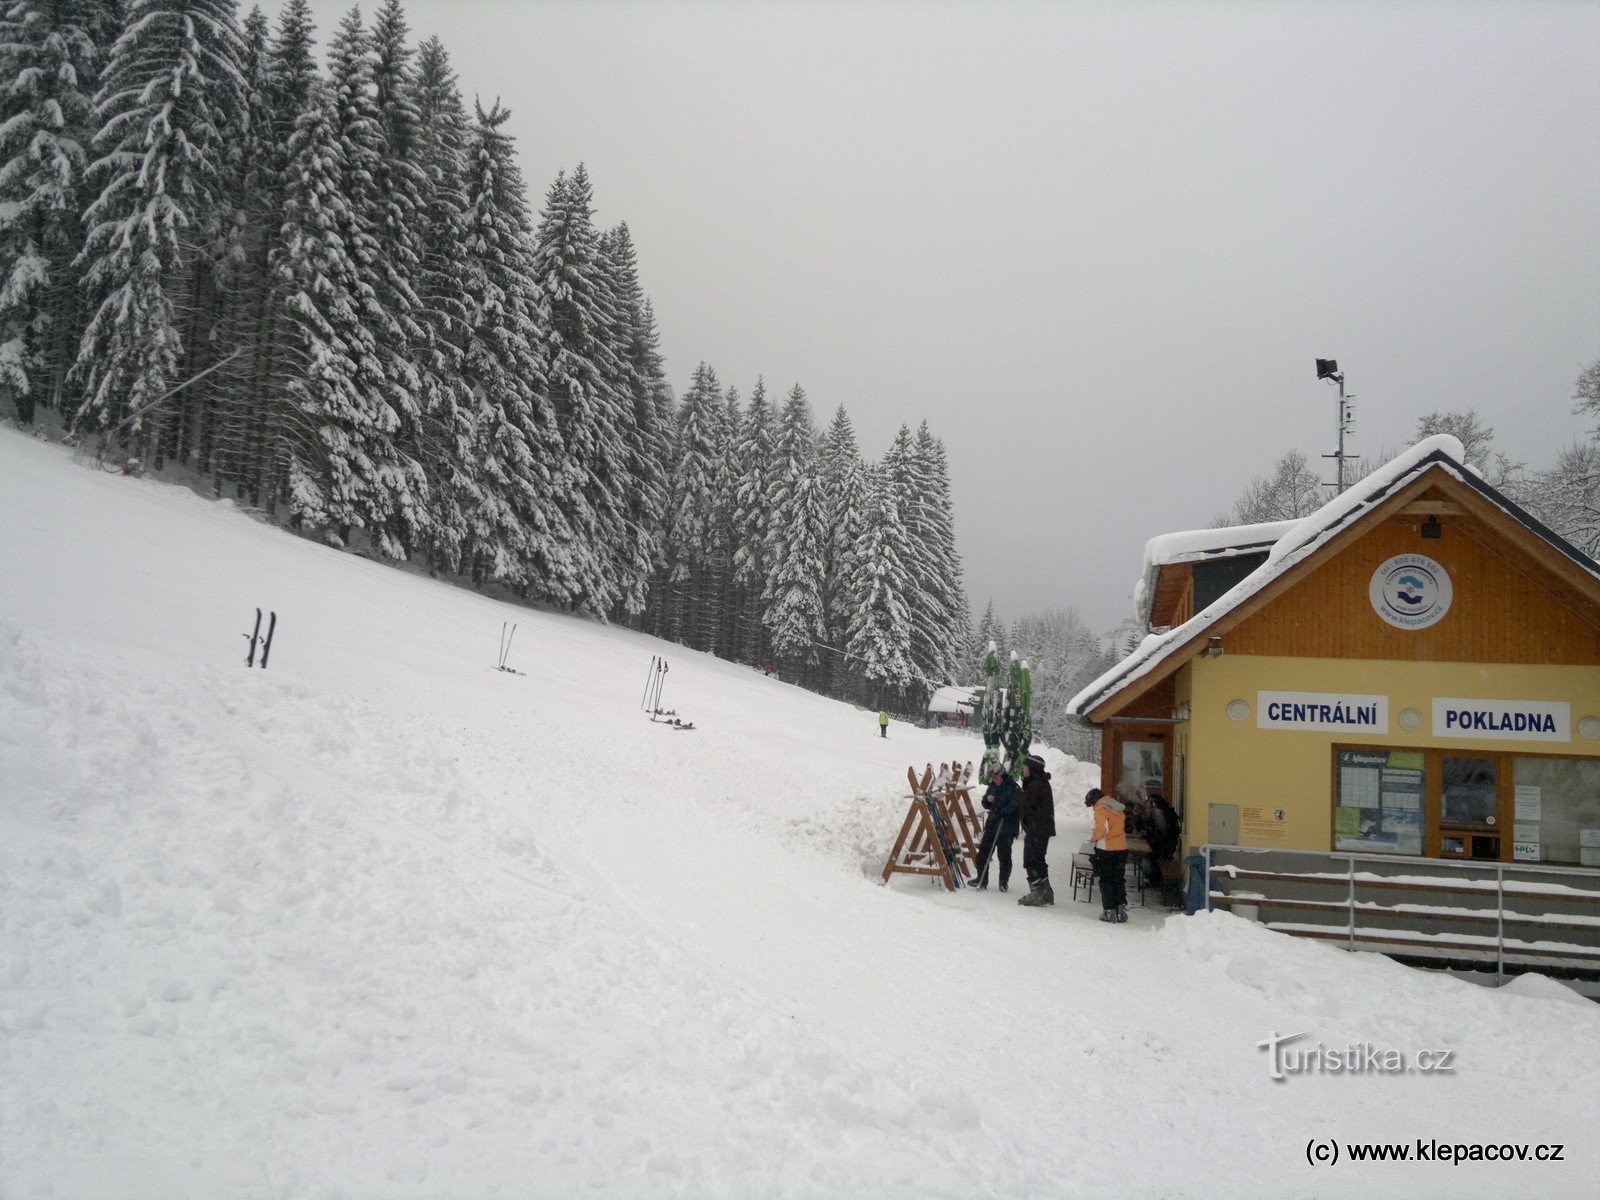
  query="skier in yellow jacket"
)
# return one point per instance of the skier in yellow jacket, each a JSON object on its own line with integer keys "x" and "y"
{"x": 1110, "y": 853}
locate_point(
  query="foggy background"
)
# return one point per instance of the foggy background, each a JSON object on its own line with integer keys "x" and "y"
{"x": 1096, "y": 246}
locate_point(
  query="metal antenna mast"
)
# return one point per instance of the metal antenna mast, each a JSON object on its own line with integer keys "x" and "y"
{"x": 1327, "y": 368}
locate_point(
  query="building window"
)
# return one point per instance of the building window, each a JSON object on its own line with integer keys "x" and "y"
{"x": 1468, "y": 791}
{"x": 1380, "y": 800}
{"x": 1143, "y": 768}
{"x": 1557, "y": 810}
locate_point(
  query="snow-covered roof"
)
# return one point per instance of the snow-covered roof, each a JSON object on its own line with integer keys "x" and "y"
{"x": 1200, "y": 545}
{"x": 1197, "y": 544}
{"x": 954, "y": 700}
{"x": 1298, "y": 541}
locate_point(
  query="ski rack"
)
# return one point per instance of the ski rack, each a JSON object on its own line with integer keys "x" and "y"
{"x": 940, "y": 834}
{"x": 255, "y": 638}
{"x": 654, "y": 682}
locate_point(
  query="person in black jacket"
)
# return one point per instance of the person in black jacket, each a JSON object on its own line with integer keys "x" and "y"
{"x": 1163, "y": 834}
{"x": 1038, "y": 827}
{"x": 1004, "y": 801}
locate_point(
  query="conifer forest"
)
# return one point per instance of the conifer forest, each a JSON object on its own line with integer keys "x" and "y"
{"x": 299, "y": 269}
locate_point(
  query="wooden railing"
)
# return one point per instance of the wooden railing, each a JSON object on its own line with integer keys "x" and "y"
{"x": 1515, "y": 916}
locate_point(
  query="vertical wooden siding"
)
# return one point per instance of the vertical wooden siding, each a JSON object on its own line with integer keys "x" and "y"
{"x": 1507, "y": 607}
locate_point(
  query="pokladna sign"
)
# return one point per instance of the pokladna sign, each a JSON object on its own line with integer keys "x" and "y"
{"x": 1502, "y": 720}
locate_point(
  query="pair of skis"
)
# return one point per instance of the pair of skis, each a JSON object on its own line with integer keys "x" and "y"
{"x": 256, "y": 640}
{"x": 923, "y": 790}
{"x": 505, "y": 646}
{"x": 654, "y": 683}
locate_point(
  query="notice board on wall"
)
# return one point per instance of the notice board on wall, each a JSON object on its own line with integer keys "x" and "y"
{"x": 1378, "y": 801}
{"x": 1263, "y": 826}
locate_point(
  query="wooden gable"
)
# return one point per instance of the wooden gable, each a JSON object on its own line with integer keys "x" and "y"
{"x": 1509, "y": 606}
{"x": 1173, "y": 603}
{"x": 1519, "y": 597}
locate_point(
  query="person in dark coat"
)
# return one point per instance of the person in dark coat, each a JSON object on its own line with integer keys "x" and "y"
{"x": 1163, "y": 834}
{"x": 1003, "y": 800}
{"x": 1038, "y": 827}
{"x": 1162, "y": 828}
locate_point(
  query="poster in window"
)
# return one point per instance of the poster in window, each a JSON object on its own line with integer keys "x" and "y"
{"x": 1380, "y": 801}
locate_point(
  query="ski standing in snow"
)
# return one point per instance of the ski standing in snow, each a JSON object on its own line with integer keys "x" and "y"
{"x": 256, "y": 639}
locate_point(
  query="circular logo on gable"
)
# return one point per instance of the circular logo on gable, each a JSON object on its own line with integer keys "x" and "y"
{"x": 1411, "y": 591}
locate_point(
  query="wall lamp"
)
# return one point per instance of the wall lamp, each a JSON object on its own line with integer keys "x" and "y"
{"x": 1432, "y": 529}
{"x": 1213, "y": 648}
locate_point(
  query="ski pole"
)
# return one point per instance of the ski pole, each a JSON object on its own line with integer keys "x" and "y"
{"x": 649, "y": 678}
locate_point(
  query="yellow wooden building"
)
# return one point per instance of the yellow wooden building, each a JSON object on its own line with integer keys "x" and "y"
{"x": 1412, "y": 670}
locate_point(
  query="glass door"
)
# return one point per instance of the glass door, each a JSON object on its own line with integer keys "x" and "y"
{"x": 1469, "y": 807}
{"x": 1142, "y": 772}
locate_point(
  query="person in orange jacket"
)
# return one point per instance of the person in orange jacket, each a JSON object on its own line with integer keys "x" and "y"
{"x": 1110, "y": 853}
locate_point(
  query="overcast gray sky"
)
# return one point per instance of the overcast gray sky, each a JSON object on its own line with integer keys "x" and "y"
{"x": 1096, "y": 246}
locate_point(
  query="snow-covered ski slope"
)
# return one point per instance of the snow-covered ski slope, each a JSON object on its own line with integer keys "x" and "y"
{"x": 383, "y": 921}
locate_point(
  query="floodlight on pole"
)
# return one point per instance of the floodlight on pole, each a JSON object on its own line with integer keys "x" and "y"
{"x": 1328, "y": 368}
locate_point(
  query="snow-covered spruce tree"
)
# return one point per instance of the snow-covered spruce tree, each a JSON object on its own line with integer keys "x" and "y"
{"x": 206, "y": 406}
{"x": 946, "y": 570}
{"x": 578, "y": 342}
{"x": 990, "y": 629}
{"x": 243, "y": 269}
{"x": 879, "y": 629}
{"x": 690, "y": 507}
{"x": 842, "y": 503}
{"x": 380, "y": 243}
{"x": 518, "y": 533}
{"x": 664, "y": 407}
{"x": 728, "y": 631}
{"x": 405, "y": 225}
{"x": 647, "y": 437}
{"x": 345, "y": 472}
{"x": 279, "y": 93}
{"x": 795, "y": 535}
{"x": 448, "y": 431}
{"x": 752, "y": 506}
{"x": 928, "y": 610}
{"x": 170, "y": 97}
{"x": 48, "y": 64}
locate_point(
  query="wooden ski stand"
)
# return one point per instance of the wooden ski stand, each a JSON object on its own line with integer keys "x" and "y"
{"x": 919, "y": 848}
{"x": 960, "y": 813}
